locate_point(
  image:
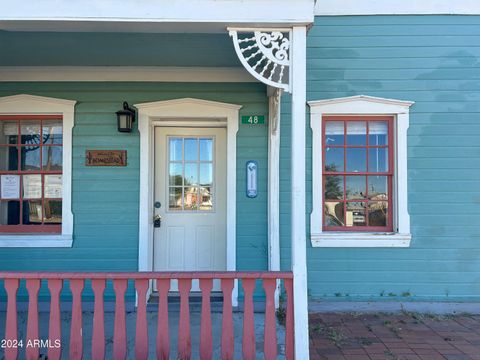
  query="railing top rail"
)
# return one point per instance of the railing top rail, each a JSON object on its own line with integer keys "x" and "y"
{"x": 149, "y": 275}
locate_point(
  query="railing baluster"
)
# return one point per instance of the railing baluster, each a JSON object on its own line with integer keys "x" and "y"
{"x": 33, "y": 286}
{"x": 206, "y": 286}
{"x": 184, "y": 340}
{"x": 270, "y": 335}
{"x": 227, "y": 320}
{"x": 54, "y": 325}
{"x": 11, "y": 329}
{"x": 98, "y": 333}
{"x": 248, "y": 341}
{"x": 119, "y": 332}
{"x": 163, "y": 337}
{"x": 289, "y": 339}
{"x": 76, "y": 331}
{"x": 141, "y": 330}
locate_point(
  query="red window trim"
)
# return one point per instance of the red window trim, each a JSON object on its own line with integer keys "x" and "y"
{"x": 389, "y": 173}
{"x": 44, "y": 227}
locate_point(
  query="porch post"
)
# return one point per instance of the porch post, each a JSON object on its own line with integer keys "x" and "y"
{"x": 298, "y": 236}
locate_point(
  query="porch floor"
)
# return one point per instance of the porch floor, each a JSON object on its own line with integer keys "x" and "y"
{"x": 399, "y": 336}
{"x": 152, "y": 323}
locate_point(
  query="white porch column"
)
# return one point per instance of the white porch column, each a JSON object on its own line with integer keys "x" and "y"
{"x": 298, "y": 237}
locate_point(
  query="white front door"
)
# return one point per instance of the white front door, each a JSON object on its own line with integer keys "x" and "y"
{"x": 191, "y": 192}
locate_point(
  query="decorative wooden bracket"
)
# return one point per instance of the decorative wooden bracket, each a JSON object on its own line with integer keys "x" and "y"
{"x": 265, "y": 54}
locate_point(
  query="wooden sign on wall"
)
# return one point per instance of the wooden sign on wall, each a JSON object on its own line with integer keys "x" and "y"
{"x": 106, "y": 158}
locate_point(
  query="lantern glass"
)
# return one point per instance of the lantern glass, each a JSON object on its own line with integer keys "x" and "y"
{"x": 124, "y": 121}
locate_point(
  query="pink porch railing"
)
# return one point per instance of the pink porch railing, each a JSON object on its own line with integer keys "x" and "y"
{"x": 142, "y": 280}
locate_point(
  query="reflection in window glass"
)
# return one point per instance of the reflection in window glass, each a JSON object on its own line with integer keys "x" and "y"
{"x": 10, "y": 212}
{"x": 52, "y": 158}
{"x": 356, "y": 133}
{"x": 175, "y": 198}
{"x": 334, "y": 214}
{"x": 355, "y": 215}
{"x": 378, "y": 187}
{"x": 356, "y": 160}
{"x": 377, "y": 213}
{"x": 190, "y": 198}
{"x": 9, "y": 132}
{"x": 52, "y": 132}
{"x": 52, "y": 212}
{"x": 206, "y": 149}
{"x": 356, "y": 187}
{"x": 32, "y": 212}
{"x": 8, "y": 158}
{"x": 206, "y": 174}
{"x": 378, "y": 159}
{"x": 191, "y": 174}
{"x": 377, "y": 133}
{"x": 191, "y": 149}
{"x": 30, "y": 157}
{"x": 333, "y": 187}
{"x": 175, "y": 149}
{"x": 205, "y": 201}
{"x": 30, "y": 131}
{"x": 176, "y": 174}
{"x": 334, "y": 159}
{"x": 334, "y": 133}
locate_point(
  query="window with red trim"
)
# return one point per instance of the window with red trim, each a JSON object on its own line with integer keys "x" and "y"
{"x": 31, "y": 174}
{"x": 357, "y": 173}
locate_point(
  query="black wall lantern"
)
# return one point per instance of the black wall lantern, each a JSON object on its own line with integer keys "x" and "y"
{"x": 125, "y": 118}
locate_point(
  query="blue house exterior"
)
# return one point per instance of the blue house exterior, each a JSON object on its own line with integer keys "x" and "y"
{"x": 423, "y": 68}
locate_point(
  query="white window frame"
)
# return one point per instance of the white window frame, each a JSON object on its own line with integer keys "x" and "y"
{"x": 362, "y": 105}
{"x": 39, "y": 105}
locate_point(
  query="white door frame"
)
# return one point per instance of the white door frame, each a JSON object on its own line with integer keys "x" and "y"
{"x": 192, "y": 113}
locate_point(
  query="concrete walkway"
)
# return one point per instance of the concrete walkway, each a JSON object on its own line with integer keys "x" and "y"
{"x": 400, "y": 336}
{"x": 152, "y": 321}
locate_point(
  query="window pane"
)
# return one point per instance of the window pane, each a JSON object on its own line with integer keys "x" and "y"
{"x": 52, "y": 158}
{"x": 378, "y": 159}
{"x": 32, "y": 212}
{"x": 175, "y": 175}
{"x": 190, "y": 198}
{"x": 53, "y": 186}
{"x": 377, "y": 133}
{"x": 333, "y": 187}
{"x": 377, "y": 213}
{"x": 30, "y": 131}
{"x": 356, "y": 214}
{"x": 356, "y": 187}
{"x": 334, "y": 159}
{"x": 206, "y": 174}
{"x": 8, "y": 132}
{"x": 30, "y": 156}
{"x": 32, "y": 186}
{"x": 52, "y": 131}
{"x": 52, "y": 212}
{"x": 175, "y": 149}
{"x": 356, "y": 133}
{"x": 175, "y": 198}
{"x": 334, "y": 215}
{"x": 8, "y": 158}
{"x": 356, "y": 160}
{"x": 191, "y": 149}
{"x": 378, "y": 187}
{"x": 10, "y": 186}
{"x": 206, "y": 150}
{"x": 10, "y": 212}
{"x": 334, "y": 133}
{"x": 205, "y": 198}
{"x": 191, "y": 174}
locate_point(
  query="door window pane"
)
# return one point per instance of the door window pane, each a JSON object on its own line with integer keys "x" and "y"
{"x": 206, "y": 149}
{"x": 176, "y": 176}
{"x": 191, "y": 174}
{"x": 206, "y": 174}
{"x": 205, "y": 200}
{"x": 191, "y": 149}
{"x": 175, "y": 148}
{"x": 175, "y": 198}
{"x": 191, "y": 198}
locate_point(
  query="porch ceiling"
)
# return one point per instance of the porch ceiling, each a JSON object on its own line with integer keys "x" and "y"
{"x": 197, "y": 16}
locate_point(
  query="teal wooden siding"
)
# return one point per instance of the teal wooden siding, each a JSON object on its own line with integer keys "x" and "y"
{"x": 105, "y": 200}
{"x": 434, "y": 61}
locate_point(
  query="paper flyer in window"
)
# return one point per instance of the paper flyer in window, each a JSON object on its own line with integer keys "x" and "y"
{"x": 53, "y": 186}
{"x": 32, "y": 186}
{"x": 10, "y": 186}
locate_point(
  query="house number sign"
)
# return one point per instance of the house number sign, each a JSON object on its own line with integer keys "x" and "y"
{"x": 252, "y": 167}
{"x": 253, "y": 119}
{"x": 106, "y": 158}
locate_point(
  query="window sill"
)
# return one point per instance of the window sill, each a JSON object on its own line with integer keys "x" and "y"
{"x": 43, "y": 240}
{"x": 342, "y": 239}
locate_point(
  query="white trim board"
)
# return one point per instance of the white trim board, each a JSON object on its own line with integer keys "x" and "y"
{"x": 190, "y": 112}
{"x": 362, "y": 105}
{"x": 396, "y": 7}
{"x": 125, "y": 73}
{"x": 39, "y": 105}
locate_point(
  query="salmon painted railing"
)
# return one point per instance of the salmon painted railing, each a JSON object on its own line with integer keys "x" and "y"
{"x": 142, "y": 282}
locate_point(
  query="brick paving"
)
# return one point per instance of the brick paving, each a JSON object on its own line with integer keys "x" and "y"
{"x": 405, "y": 336}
